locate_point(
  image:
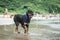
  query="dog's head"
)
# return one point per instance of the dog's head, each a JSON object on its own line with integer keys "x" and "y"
{"x": 30, "y": 13}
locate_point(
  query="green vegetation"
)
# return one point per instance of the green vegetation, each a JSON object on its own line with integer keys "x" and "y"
{"x": 41, "y": 6}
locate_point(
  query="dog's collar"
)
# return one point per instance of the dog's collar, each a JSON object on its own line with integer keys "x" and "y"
{"x": 26, "y": 17}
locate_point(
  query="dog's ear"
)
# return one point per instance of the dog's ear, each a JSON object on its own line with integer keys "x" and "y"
{"x": 29, "y": 12}
{"x": 25, "y": 7}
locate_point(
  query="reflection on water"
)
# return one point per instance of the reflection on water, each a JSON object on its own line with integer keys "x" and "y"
{"x": 26, "y": 37}
{"x": 21, "y": 37}
{"x": 17, "y": 37}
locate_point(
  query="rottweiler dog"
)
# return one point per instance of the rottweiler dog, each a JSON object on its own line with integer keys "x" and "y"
{"x": 24, "y": 20}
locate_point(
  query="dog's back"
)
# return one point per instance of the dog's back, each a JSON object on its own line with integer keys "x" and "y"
{"x": 21, "y": 19}
{"x": 18, "y": 18}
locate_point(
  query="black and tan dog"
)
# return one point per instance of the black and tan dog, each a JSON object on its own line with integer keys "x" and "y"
{"x": 24, "y": 20}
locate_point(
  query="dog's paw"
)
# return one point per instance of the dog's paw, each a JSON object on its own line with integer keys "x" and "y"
{"x": 26, "y": 33}
{"x": 18, "y": 32}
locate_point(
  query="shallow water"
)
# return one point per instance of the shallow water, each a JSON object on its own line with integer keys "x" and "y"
{"x": 44, "y": 33}
{"x": 38, "y": 30}
{"x": 52, "y": 23}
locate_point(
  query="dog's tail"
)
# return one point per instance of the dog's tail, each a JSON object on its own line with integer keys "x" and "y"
{"x": 12, "y": 15}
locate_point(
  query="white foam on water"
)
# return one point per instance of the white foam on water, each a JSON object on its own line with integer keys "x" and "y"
{"x": 55, "y": 25}
{"x": 50, "y": 31}
{"x": 6, "y": 21}
{"x": 36, "y": 34}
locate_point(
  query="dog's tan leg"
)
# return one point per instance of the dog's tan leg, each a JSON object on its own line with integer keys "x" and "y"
{"x": 26, "y": 30}
{"x": 17, "y": 28}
